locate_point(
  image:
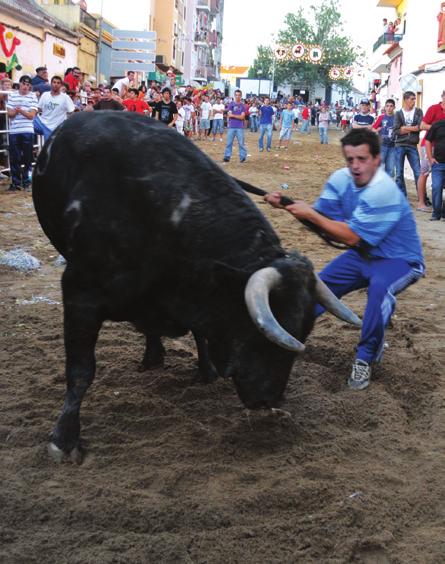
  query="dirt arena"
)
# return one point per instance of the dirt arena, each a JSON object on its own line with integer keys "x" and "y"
{"x": 178, "y": 472}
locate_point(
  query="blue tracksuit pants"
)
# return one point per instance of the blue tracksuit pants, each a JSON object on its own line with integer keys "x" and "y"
{"x": 384, "y": 278}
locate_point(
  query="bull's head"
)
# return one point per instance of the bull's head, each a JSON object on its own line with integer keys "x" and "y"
{"x": 280, "y": 300}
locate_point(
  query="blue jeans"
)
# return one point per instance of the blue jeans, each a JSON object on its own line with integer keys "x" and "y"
{"x": 20, "y": 153}
{"x": 388, "y": 156}
{"x": 323, "y": 135}
{"x": 218, "y": 126}
{"x": 384, "y": 278}
{"x": 238, "y": 133}
{"x": 304, "y": 126}
{"x": 41, "y": 129}
{"x": 437, "y": 179}
{"x": 414, "y": 162}
{"x": 253, "y": 123}
{"x": 265, "y": 128}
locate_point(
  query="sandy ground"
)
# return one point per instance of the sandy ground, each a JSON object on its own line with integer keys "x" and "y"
{"x": 178, "y": 472}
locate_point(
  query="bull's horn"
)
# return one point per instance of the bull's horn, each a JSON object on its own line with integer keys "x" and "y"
{"x": 256, "y": 295}
{"x": 329, "y": 300}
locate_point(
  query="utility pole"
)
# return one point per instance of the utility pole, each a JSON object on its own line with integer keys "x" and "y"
{"x": 99, "y": 43}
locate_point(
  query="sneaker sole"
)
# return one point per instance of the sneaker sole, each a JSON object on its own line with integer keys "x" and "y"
{"x": 358, "y": 386}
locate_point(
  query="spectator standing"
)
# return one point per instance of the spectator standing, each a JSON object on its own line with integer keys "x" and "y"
{"x": 384, "y": 125}
{"x": 166, "y": 110}
{"x": 253, "y": 117}
{"x": 189, "y": 117}
{"x": 135, "y": 104}
{"x": 218, "y": 118}
{"x": 179, "y": 124}
{"x": 124, "y": 84}
{"x": 286, "y": 121}
{"x": 235, "y": 128}
{"x": 345, "y": 120}
{"x": 106, "y": 102}
{"x": 72, "y": 78}
{"x": 40, "y": 82}
{"x": 313, "y": 115}
{"x": 434, "y": 113}
{"x": 54, "y": 107}
{"x": 204, "y": 124}
{"x": 266, "y": 124}
{"x": 435, "y": 150}
{"x": 406, "y": 135}
{"x": 364, "y": 117}
{"x": 323, "y": 125}
{"x": 22, "y": 108}
{"x": 305, "y": 116}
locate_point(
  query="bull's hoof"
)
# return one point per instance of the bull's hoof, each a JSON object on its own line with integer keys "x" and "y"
{"x": 207, "y": 374}
{"x": 58, "y": 455}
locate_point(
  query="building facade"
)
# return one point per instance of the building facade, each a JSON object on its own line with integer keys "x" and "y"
{"x": 412, "y": 58}
{"x": 32, "y": 38}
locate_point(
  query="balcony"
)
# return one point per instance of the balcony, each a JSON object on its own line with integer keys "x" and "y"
{"x": 203, "y": 5}
{"x": 88, "y": 20}
{"x": 202, "y": 37}
{"x": 387, "y": 39}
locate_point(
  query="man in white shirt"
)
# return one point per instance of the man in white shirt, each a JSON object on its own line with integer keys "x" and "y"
{"x": 54, "y": 107}
{"x": 204, "y": 124}
{"x": 124, "y": 84}
{"x": 22, "y": 108}
{"x": 218, "y": 118}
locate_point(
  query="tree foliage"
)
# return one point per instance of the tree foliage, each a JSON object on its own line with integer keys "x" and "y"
{"x": 324, "y": 28}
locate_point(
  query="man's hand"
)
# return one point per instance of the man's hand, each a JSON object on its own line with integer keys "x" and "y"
{"x": 274, "y": 199}
{"x": 301, "y": 210}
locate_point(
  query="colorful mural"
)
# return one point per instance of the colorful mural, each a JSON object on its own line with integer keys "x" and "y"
{"x": 9, "y": 51}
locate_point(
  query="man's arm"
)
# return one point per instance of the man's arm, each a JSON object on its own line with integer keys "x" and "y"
{"x": 424, "y": 126}
{"x": 29, "y": 115}
{"x": 429, "y": 152}
{"x": 338, "y": 230}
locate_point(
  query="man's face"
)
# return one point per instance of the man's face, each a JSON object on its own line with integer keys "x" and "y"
{"x": 361, "y": 164}
{"x": 56, "y": 85}
{"x": 24, "y": 87}
{"x": 364, "y": 108}
{"x": 76, "y": 73}
{"x": 131, "y": 95}
{"x": 6, "y": 85}
{"x": 410, "y": 103}
{"x": 389, "y": 108}
{"x": 237, "y": 97}
{"x": 266, "y": 101}
{"x": 166, "y": 96}
{"x": 131, "y": 76}
{"x": 43, "y": 74}
{"x": 106, "y": 95}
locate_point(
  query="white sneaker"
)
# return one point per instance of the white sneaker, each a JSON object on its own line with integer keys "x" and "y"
{"x": 360, "y": 375}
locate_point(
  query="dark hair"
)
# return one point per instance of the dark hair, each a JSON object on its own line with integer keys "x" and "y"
{"x": 25, "y": 78}
{"x": 38, "y": 69}
{"x": 362, "y": 136}
{"x": 68, "y": 70}
{"x": 135, "y": 90}
{"x": 55, "y": 77}
{"x": 111, "y": 89}
{"x": 408, "y": 94}
{"x": 390, "y": 101}
{"x": 238, "y": 90}
{"x": 166, "y": 89}
{"x": 130, "y": 72}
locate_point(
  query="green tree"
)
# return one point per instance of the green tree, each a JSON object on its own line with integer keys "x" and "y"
{"x": 263, "y": 63}
{"x": 324, "y": 28}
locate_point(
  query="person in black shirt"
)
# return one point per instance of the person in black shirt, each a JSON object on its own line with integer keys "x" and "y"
{"x": 166, "y": 110}
{"x": 107, "y": 102}
{"x": 436, "y": 158}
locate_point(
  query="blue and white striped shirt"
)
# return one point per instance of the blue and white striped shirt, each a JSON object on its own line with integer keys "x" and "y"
{"x": 378, "y": 213}
{"x": 28, "y": 102}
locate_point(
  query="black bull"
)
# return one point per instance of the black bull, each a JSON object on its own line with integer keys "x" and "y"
{"x": 155, "y": 233}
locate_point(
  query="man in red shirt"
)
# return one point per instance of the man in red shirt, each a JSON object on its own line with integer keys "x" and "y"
{"x": 132, "y": 104}
{"x": 73, "y": 79}
{"x": 434, "y": 113}
{"x": 305, "y": 120}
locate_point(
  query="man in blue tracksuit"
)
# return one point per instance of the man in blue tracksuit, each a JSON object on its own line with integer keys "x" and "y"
{"x": 362, "y": 207}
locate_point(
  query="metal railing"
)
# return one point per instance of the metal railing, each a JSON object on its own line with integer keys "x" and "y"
{"x": 386, "y": 39}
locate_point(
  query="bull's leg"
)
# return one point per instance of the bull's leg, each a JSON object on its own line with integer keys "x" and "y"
{"x": 154, "y": 353}
{"x": 82, "y": 324}
{"x": 207, "y": 372}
